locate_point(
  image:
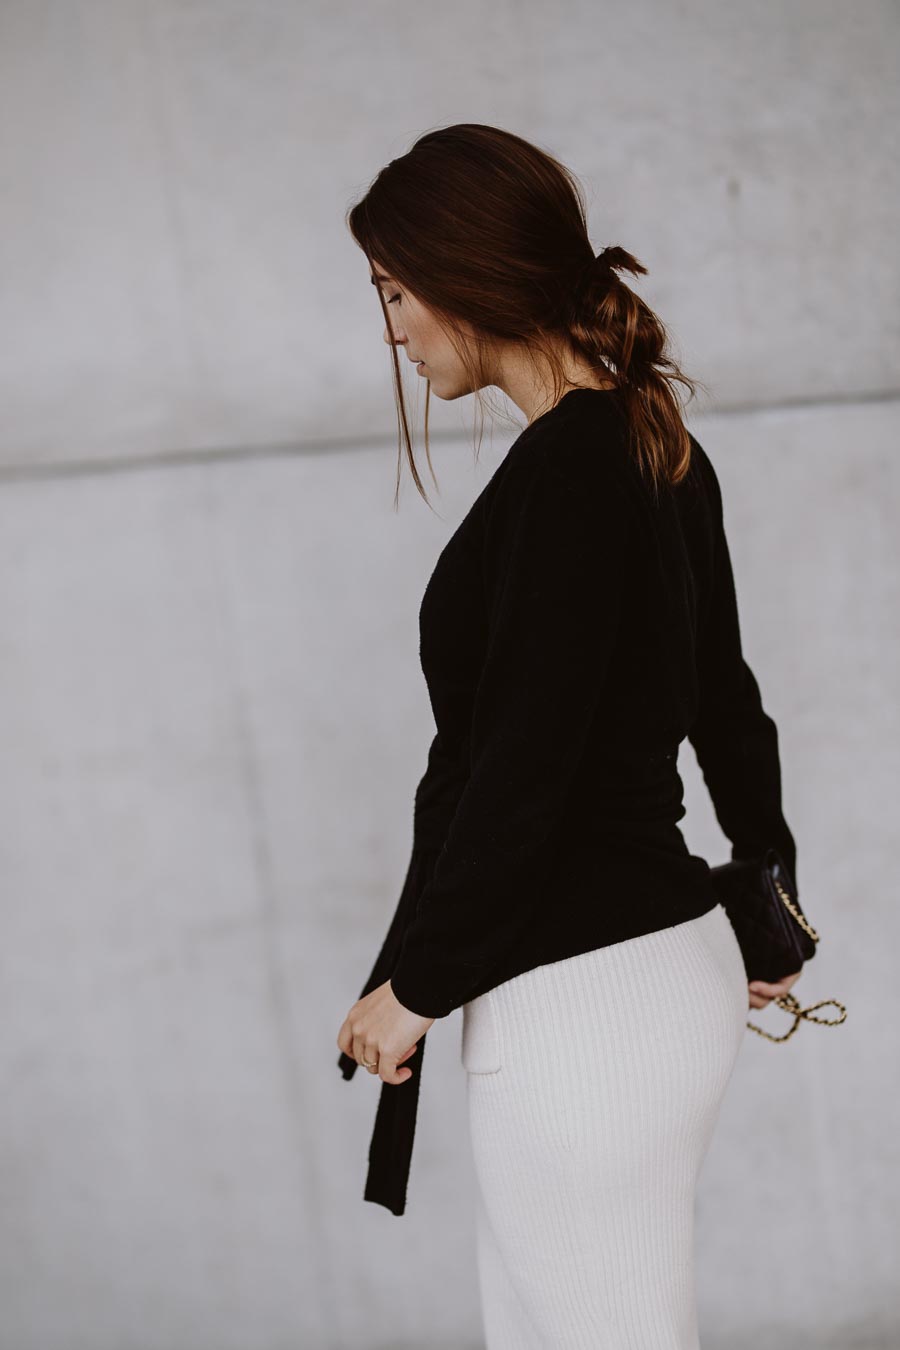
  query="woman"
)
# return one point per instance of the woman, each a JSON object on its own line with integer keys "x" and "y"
{"x": 578, "y": 626}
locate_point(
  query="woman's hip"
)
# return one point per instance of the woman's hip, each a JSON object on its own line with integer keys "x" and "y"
{"x": 638, "y": 1037}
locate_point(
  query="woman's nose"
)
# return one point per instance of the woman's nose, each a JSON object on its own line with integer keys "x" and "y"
{"x": 390, "y": 338}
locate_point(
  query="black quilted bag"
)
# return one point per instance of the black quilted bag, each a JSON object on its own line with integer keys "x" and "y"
{"x": 773, "y": 933}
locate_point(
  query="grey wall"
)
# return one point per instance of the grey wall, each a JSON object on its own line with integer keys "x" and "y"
{"x": 213, "y": 718}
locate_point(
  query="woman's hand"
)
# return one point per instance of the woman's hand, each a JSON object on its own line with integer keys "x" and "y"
{"x": 761, "y": 993}
{"x": 379, "y": 1029}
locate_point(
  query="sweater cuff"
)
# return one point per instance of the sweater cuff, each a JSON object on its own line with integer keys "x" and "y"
{"x": 429, "y": 984}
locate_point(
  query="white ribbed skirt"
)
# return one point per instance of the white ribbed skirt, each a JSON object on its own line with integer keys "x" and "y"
{"x": 593, "y": 1085}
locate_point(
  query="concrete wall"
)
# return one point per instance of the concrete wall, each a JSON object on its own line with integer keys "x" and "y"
{"x": 213, "y": 718}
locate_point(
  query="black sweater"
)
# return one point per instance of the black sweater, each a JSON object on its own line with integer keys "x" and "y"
{"x": 574, "y": 631}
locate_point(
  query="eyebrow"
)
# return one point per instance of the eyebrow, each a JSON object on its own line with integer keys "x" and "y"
{"x": 375, "y": 277}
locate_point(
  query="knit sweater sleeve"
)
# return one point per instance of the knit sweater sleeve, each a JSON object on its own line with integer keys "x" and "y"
{"x": 554, "y": 569}
{"x": 435, "y": 800}
{"x": 437, "y": 795}
{"x": 734, "y": 738}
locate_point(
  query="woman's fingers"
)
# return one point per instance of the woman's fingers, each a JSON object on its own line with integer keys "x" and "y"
{"x": 763, "y": 991}
{"x": 387, "y": 1068}
{"x": 384, "y": 1065}
{"x": 774, "y": 988}
{"x": 394, "y": 1075}
{"x": 365, "y": 1055}
{"x": 373, "y": 1029}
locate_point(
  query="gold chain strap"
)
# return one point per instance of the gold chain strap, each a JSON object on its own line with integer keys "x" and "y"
{"x": 791, "y": 1005}
{"x": 801, "y": 918}
{"x": 787, "y": 1001}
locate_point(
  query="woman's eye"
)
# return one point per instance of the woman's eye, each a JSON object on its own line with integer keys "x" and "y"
{"x": 393, "y": 299}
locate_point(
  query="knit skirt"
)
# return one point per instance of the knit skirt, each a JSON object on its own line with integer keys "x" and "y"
{"x": 593, "y": 1087}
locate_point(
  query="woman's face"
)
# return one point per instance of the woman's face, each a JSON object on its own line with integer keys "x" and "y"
{"x": 414, "y": 327}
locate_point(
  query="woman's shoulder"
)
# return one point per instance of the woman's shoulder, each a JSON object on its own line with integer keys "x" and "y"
{"x": 580, "y": 444}
{"x": 577, "y": 458}
{"x": 699, "y": 494}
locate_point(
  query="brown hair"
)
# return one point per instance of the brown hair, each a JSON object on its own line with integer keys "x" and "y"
{"x": 489, "y": 230}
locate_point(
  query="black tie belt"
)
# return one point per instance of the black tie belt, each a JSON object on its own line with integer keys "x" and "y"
{"x": 390, "y": 1150}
